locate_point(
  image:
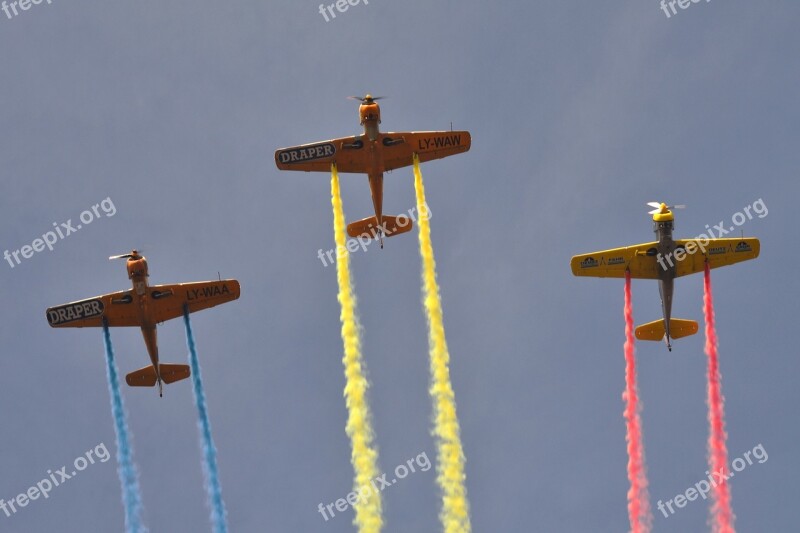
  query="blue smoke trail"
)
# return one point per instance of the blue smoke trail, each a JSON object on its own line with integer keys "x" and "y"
{"x": 213, "y": 488}
{"x": 131, "y": 496}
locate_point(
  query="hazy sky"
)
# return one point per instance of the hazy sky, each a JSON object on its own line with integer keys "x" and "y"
{"x": 580, "y": 113}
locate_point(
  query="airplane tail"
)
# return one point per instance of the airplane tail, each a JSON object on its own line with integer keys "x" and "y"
{"x": 146, "y": 377}
{"x": 368, "y": 227}
{"x": 655, "y": 330}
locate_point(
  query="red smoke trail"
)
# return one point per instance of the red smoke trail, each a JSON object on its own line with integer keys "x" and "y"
{"x": 721, "y": 513}
{"x": 639, "y": 513}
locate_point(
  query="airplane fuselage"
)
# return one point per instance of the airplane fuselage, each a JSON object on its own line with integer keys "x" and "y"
{"x": 138, "y": 274}
{"x": 666, "y": 276}
{"x": 370, "y": 114}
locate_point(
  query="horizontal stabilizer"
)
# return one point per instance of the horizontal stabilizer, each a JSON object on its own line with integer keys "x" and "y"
{"x": 173, "y": 373}
{"x": 146, "y": 377}
{"x": 679, "y": 327}
{"x": 655, "y": 331}
{"x": 368, "y": 227}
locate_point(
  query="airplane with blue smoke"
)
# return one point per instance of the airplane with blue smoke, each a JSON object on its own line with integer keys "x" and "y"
{"x": 145, "y": 306}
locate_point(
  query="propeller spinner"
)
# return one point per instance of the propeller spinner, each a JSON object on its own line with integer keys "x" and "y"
{"x": 366, "y": 99}
{"x": 662, "y": 207}
{"x": 134, "y": 254}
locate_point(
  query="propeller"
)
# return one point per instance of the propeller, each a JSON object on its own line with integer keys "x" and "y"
{"x": 658, "y": 207}
{"x": 366, "y": 99}
{"x": 132, "y": 254}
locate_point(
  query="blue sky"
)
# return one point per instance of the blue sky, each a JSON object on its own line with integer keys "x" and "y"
{"x": 580, "y": 113}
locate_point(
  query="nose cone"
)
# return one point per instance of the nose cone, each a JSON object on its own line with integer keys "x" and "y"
{"x": 663, "y": 215}
{"x": 369, "y": 112}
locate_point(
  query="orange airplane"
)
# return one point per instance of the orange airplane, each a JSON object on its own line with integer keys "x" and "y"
{"x": 374, "y": 153}
{"x": 145, "y": 306}
{"x": 664, "y": 260}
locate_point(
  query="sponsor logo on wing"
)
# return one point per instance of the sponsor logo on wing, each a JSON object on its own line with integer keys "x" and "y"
{"x": 589, "y": 262}
{"x": 616, "y": 260}
{"x": 207, "y": 292}
{"x": 743, "y": 247}
{"x": 306, "y": 153}
{"x": 74, "y": 311}
{"x": 716, "y": 250}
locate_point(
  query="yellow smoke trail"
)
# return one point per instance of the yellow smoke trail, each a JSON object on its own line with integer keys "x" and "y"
{"x": 450, "y": 455}
{"x": 364, "y": 456}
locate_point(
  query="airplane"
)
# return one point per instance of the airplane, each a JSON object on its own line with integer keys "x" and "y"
{"x": 374, "y": 153}
{"x": 145, "y": 306}
{"x": 664, "y": 260}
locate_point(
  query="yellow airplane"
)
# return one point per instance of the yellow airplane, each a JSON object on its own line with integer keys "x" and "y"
{"x": 145, "y": 306}
{"x": 374, "y": 153}
{"x": 665, "y": 260}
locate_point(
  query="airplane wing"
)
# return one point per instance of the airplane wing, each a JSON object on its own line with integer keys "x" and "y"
{"x": 115, "y": 307}
{"x": 640, "y": 259}
{"x": 170, "y": 299}
{"x": 347, "y": 152}
{"x": 352, "y": 155}
{"x": 720, "y": 252}
{"x": 399, "y": 147}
